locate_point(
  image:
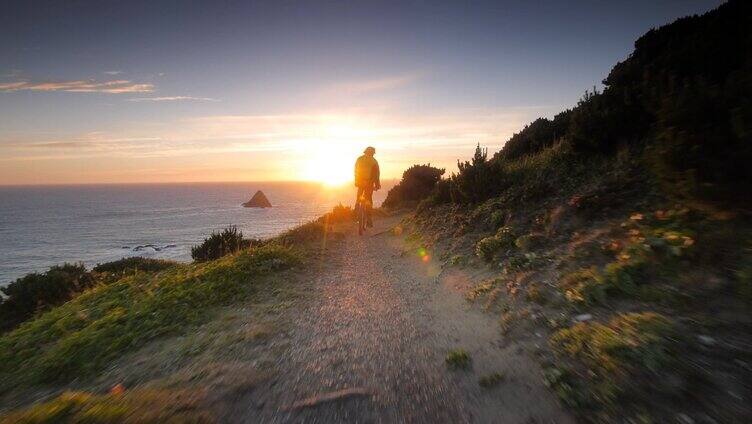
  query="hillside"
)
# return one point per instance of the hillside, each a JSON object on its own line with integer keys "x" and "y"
{"x": 620, "y": 230}
{"x": 598, "y": 268}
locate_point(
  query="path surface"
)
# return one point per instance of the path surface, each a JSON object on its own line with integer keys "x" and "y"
{"x": 373, "y": 337}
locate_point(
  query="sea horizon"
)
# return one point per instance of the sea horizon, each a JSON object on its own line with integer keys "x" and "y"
{"x": 303, "y": 181}
{"x": 46, "y": 225}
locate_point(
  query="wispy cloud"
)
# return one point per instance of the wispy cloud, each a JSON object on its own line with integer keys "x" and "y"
{"x": 79, "y": 86}
{"x": 372, "y": 85}
{"x": 282, "y": 141}
{"x": 112, "y": 72}
{"x": 172, "y": 99}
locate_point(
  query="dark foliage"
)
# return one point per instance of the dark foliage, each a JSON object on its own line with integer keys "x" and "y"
{"x": 477, "y": 180}
{"x": 215, "y": 246}
{"x": 339, "y": 214}
{"x": 683, "y": 98}
{"x": 603, "y": 121}
{"x": 126, "y": 266}
{"x": 38, "y": 292}
{"x": 417, "y": 183}
{"x": 693, "y": 79}
{"x": 441, "y": 192}
{"x": 535, "y": 137}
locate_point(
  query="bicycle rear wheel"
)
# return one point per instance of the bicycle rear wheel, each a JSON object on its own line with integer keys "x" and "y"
{"x": 361, "y": 217}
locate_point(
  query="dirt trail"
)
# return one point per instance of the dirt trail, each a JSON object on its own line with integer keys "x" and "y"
{"x": 376, "y": 327}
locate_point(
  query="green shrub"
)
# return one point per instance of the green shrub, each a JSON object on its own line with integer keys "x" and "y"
{"x": 536, "y": 294}
{"x": 517, "y": 263}
{"x": 457, "y": 359}
{"x": 498, "y": 218}
{"x": 477, "y": 180}
{"x": 215, "y": 246}
{"x": 584, "y": 286}
{"x": 35, "y": 292}
{"x": 487, "y": 247}
{"x": 417, "y": 183}
{"x": 491, "y": 380}
{"x": 616, "y": 354}
{"x": 338, "y": 215}
{"x": 484, "y": 287}
{"x": 126, "y": 266}
{"x": 566, "y": 386}
{"x": 457, "y": 260}
{"x": 625, "y": 277}
{"x": 529, "y": 242}
{"x": 439, "y": 195}
{"x": 137, "y": 406}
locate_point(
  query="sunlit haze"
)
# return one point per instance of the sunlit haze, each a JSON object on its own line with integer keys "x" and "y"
{"x": 143, "y": 91}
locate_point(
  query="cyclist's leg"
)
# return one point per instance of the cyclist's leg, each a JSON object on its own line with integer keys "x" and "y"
{"x": 368, "y": 193}
{"x": 358, "y": 203}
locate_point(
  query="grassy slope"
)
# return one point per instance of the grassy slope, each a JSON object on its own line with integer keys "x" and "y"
{"x": 80, "y": 338}
{"x": 140, "y": 406}
{"x": 83, "y": 335}
{"x": 76, "y": 341}
{"x": 604, "y": 239}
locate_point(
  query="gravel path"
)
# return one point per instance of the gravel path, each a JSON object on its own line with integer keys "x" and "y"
{"x": 370, "y": 345}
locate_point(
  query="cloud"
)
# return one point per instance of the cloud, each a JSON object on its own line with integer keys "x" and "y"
{"x": 400, "y": 137}
{"x": 171, "y": 99}
{"x": 112, "y": 72}
{"x": 59, "y": 145}
{"x": 371, "y": 85}
{"x": 79, "y": 86}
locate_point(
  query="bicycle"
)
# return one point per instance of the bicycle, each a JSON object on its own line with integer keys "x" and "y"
{"x": 361, "y": 214}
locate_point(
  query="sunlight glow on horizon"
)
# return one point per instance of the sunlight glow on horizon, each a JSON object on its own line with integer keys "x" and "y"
{"x": 307, "y": 146}
{"x": 269, "y": 91}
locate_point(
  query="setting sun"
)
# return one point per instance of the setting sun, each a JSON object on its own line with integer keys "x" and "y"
{"x": 329, "y": 167}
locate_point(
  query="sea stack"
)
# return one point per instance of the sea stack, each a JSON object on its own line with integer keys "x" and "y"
{"x": 258, "y": 201}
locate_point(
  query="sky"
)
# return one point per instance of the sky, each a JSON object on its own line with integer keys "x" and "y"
{"x": 116, "y": 91}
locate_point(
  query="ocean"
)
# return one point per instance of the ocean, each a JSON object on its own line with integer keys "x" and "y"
{"x": 41, "y": 226}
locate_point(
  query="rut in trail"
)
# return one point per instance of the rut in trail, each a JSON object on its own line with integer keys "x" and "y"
{"x": 370, "y": 345}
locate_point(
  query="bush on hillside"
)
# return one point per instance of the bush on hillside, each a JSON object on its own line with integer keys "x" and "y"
{"x": 704, "y": 140}
{"x": 215, "y": 246}
{"x": 477, "y": 180}
{"x": 126, "y": 266}
{"x": 596, "y": 124}
{"x": 439, "y": 196}
{"x": 535, "y": 137}
{"x": 38, "y": 292}
{"x": 417, "y": 183}
{"x": 339, "y": 214}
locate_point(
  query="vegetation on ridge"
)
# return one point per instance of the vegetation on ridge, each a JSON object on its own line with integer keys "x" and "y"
{"x": 624, "y": 223}
{"x": 83, "y": 335}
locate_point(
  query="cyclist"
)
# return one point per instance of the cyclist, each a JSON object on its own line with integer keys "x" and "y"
{"x": 367, "y": 180}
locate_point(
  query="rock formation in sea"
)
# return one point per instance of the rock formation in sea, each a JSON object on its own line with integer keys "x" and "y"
{"x": 258, "y": 200}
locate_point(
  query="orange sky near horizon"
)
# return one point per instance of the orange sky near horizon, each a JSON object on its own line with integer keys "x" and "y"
{"x": 146, "y": 91}
{"x": 312, "y": 147}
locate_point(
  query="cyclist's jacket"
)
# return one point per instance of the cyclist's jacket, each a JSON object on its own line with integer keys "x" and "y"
{"x": 366, "y": 171}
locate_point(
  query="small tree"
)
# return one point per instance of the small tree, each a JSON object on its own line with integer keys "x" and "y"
{"x": 477, "y": 180}
{"x": 38, "y": 292}
{"x": 417, "y": 183}
{"x": 215, "y": 246}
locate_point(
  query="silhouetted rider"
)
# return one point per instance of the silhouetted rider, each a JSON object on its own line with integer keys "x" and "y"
{"x": 367, "y": 180}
